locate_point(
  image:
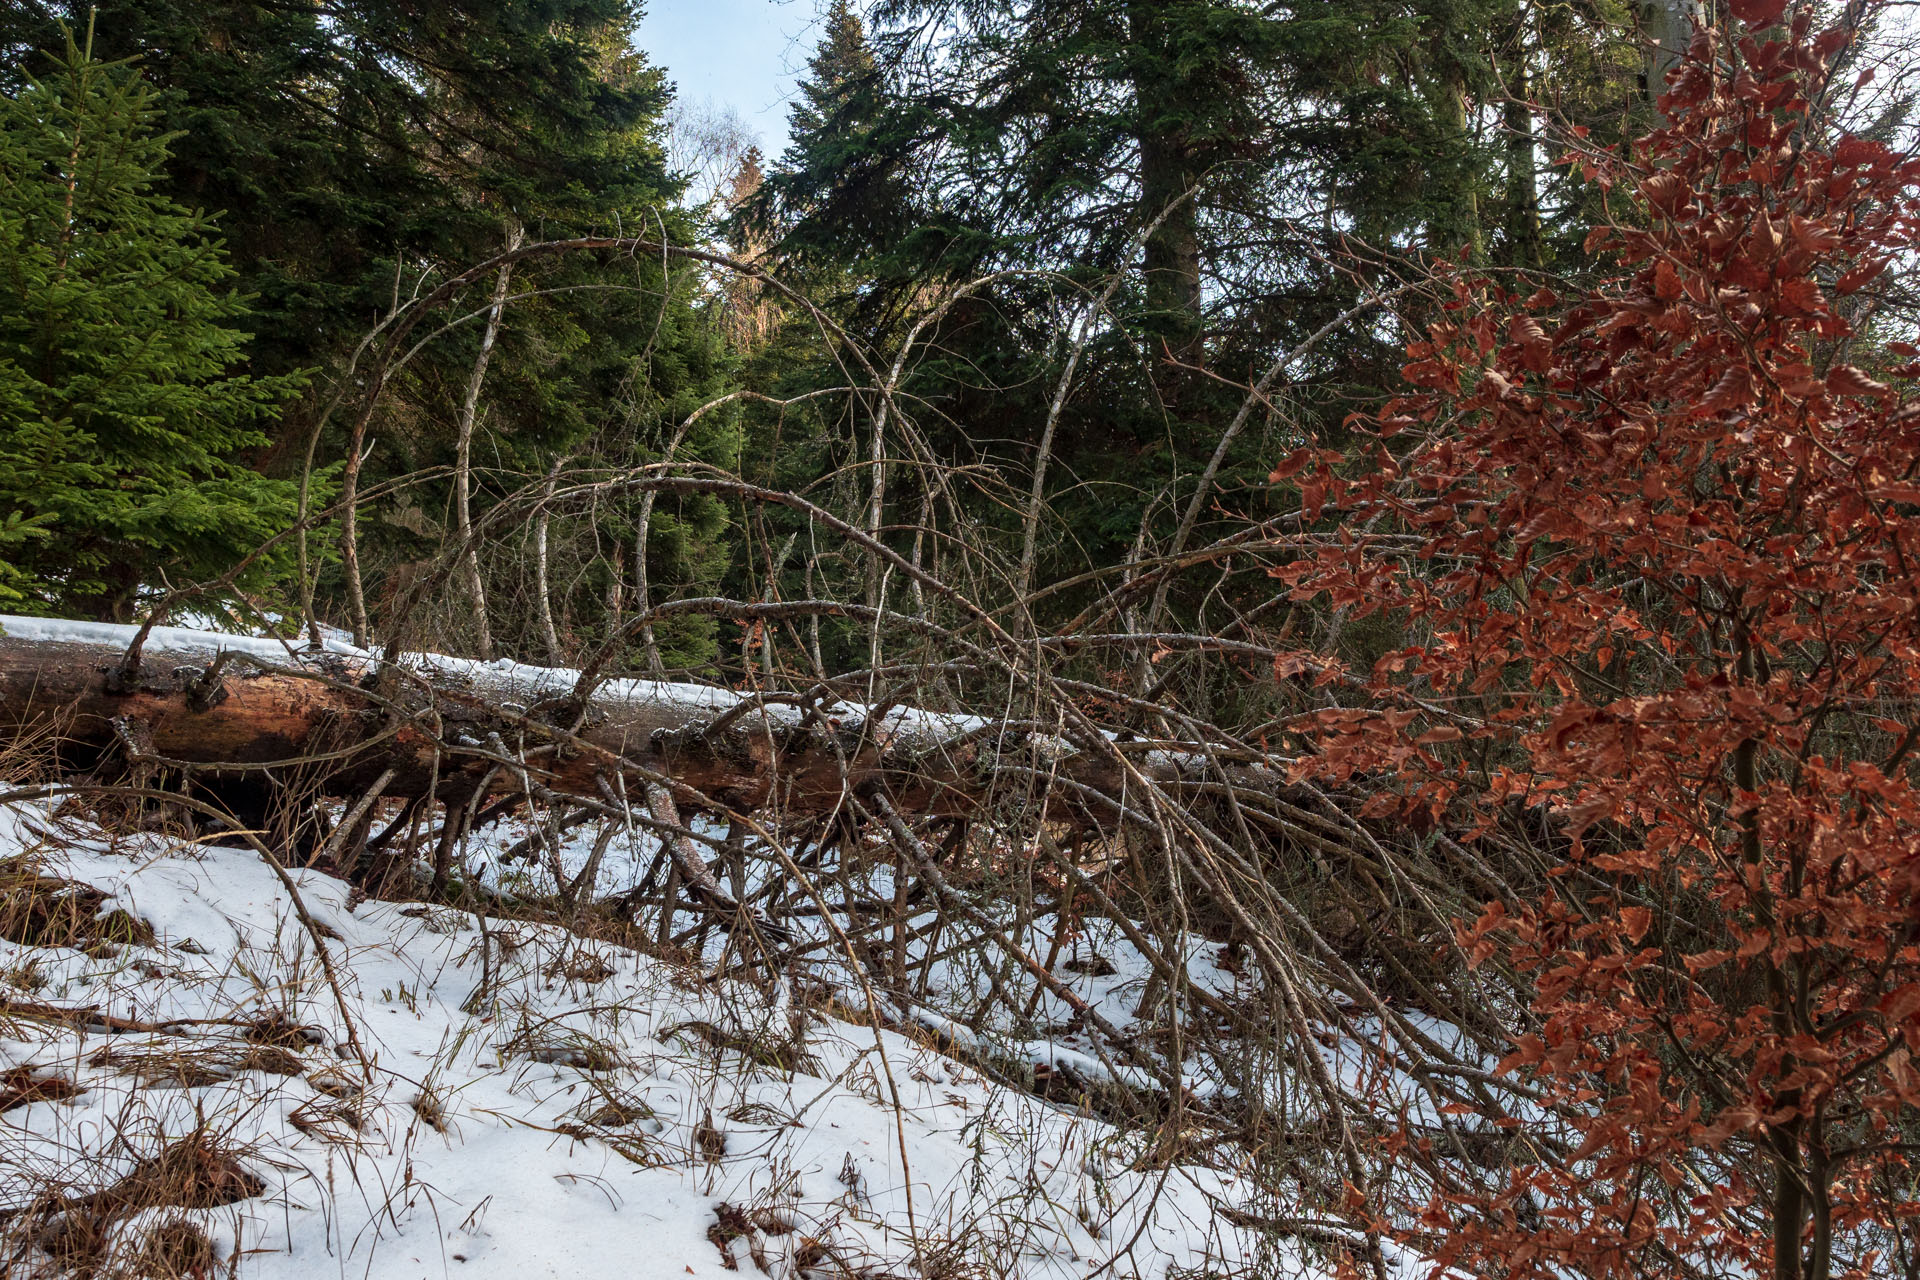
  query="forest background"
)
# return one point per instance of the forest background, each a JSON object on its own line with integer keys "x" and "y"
{"x": 1105, "y": 218}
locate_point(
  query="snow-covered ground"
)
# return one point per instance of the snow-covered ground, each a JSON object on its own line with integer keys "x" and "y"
{"x": 1097, "y": 963}
{"x": 586, "y": 1112}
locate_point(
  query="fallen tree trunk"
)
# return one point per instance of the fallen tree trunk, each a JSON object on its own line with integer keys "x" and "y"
{"x": 222, "y": 706}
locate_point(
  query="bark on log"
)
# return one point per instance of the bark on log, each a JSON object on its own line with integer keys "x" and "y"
{"x": 436, "y": 726}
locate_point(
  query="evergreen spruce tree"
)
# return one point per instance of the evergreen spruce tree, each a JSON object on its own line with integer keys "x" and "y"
{"x": 839, "y": 192}
{"x": 840, "y": 63}
{"x": 122, "y": 418}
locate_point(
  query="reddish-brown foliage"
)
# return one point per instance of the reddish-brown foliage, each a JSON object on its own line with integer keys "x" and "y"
{"x": 1669, "y": 605}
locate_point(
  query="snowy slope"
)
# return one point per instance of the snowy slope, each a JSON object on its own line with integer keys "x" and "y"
{"x": 591, "y": 1113}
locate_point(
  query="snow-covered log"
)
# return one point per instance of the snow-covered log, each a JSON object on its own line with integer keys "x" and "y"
{"x": 228, "y": 706}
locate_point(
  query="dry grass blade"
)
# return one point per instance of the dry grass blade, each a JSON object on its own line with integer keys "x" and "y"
{"x": 197, "y": 1171}
{"x": 22, "y": 1085}
{"x": 38, "y": 909}
{"x": 193, "y": 1066}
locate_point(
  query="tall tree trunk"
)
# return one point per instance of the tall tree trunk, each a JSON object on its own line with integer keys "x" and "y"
{"x": 642, "y": 582}
{"x": 1458, "y": 226}
{"x": 1668, "y": 27}
{"x": 350, "y": 526}
{"x": 543, "y": 588}
{"x": 463, "y": 453}
{"x": 1171, "y": 257}
{"x": 1523, "y": 184}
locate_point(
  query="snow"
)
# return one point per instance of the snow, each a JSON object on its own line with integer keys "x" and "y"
{"x": 121, "y": 635}
{"x": 600, "y": 1107}
{"x": 500, "y": 676}
{"x": 503, "y": 678}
